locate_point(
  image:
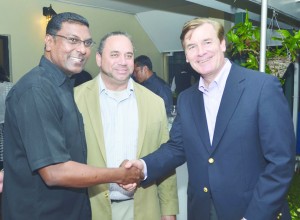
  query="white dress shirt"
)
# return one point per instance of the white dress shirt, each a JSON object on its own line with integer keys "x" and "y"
{"x": 212, "y": 97}
{"x": 119, "y": 113}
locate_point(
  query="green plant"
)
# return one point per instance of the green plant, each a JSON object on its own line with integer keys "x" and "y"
{"x": 290, "y": 40}
{"x": 294, "y": 197}
{"x": 244, "y": 44}
{"x": 244, "y": 47}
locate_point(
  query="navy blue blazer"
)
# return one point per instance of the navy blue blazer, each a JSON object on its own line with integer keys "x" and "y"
{"x": 247, "y": 170}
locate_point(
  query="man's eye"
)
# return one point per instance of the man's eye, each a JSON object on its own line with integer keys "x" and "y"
{"x": 88, "y": 43}
{"x": 191, "y": 47}
{"x": 73, "y": 40}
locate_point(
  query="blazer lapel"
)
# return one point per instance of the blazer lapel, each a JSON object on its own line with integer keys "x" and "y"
{"x": 199, "y": 117}
{"x": 142, "y": 116}
{"x": 92, "y": 102}
{"x": 233, "y": 90}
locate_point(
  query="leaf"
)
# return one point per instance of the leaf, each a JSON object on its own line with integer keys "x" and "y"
{"x": 284, "y": 33}
{"x": 297, "y": 34}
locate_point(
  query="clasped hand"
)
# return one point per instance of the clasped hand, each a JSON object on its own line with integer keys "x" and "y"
{"x": 132, "y": 167}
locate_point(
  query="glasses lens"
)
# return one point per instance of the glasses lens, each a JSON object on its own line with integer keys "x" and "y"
{"x": 88, "y": 43}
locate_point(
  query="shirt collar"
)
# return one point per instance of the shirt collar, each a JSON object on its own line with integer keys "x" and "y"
{"x": 150, "y": 79}
{"x": 58, "y": 76}
{"x": 102, "y": 87}
{"x": 220, "y": 80}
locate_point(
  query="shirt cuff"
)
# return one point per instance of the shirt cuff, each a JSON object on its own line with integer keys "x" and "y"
{"x": 145, "y": 169}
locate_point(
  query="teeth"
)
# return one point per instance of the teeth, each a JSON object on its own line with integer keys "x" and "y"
{"x": 76, "y": 59}
{"x": 203, "y": 61}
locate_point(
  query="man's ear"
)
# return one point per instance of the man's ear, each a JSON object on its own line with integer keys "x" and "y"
{"x": 223, "y": 45}
{"x": 98, "y": 59}
{"x": 145, "y": 68}
{"x": 48, "y": 42}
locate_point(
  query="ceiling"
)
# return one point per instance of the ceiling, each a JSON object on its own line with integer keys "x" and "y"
{"x": 169, "y": 15}
{"x": 289, "y": 10}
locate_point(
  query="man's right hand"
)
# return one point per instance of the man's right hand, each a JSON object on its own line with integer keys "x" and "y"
{"x": 133, "y": 164}
{"x": 132, "y": 174}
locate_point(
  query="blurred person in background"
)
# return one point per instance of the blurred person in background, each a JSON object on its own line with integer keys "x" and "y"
{"x": 144, "y": 75}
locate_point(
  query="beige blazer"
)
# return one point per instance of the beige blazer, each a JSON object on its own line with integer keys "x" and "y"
{"x": 151, "y": 202}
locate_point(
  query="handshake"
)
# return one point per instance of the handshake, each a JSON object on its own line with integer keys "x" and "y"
{"x": 133, "y": 174}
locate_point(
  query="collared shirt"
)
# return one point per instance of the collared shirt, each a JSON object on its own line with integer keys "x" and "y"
{"x": 212, "y": 97}
{"x": 119, "y": 113}
{"x": 43, "y": 127}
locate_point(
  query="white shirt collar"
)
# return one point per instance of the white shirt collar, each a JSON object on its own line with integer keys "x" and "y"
{"x": 220, "y": 80}
{"x": 102, "y": 87}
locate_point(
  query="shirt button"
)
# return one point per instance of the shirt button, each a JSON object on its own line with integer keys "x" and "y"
{"x": 211, "y": 160}
{"x": 205, "y": 189}
{"x": 106, "y": 195}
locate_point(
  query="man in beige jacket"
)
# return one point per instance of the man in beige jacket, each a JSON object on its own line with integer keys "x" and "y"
{"x": 124, "y": 120}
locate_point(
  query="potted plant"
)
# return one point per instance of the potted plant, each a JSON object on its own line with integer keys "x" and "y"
{"x": 244, "y": 47}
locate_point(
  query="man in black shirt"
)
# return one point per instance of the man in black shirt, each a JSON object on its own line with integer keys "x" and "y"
{"x": 45, "y": 164}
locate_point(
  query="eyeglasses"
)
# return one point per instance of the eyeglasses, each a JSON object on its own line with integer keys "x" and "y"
{"x": 75, "y": 41}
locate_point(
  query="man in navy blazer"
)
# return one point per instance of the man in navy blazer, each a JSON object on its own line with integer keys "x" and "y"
{"x": 234, "y": 130}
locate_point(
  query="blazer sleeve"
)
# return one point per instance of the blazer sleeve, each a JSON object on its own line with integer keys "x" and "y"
{"x": 276, "y": 136}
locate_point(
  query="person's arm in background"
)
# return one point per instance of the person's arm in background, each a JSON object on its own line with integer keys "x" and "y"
{"x": 167, "y": 96}
{"x": 173, "y": 85}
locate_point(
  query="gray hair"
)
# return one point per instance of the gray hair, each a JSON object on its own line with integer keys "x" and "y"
{"x": 114, "y": 33}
